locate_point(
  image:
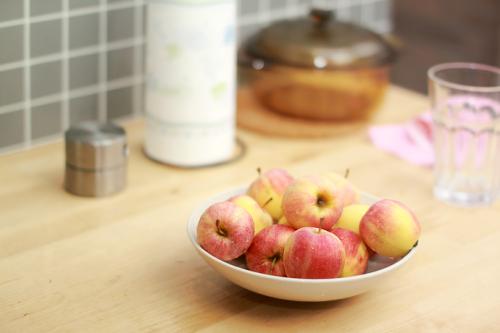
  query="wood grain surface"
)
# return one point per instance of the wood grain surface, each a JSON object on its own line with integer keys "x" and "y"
{"x": 124, "y": 263}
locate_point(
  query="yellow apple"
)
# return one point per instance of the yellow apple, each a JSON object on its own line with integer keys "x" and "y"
{"x": 261, "y": 218}
{"x": 389, "y": 228}
{"x": 268, "y": 190}
{"x": 351, "y": 217}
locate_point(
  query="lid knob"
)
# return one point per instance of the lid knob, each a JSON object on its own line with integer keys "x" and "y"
{"x": 321, "y": 16}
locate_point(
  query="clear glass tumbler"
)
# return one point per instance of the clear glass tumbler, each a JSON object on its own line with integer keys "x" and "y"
{"x": 465, "y": 104}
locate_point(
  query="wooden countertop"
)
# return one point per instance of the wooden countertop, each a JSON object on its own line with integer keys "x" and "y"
{"x": 124, "y": 263}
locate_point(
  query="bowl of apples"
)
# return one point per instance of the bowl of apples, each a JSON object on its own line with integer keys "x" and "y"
{"x": 310, "y": 239}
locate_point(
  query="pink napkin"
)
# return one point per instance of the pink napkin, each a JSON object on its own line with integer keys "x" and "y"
{"x": 411, "y": 141}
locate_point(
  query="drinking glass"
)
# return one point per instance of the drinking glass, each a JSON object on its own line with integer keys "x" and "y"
{"x": 465, "y": 104}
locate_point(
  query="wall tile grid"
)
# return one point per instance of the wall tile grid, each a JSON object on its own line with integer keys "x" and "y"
{"x": 65, "y": 61}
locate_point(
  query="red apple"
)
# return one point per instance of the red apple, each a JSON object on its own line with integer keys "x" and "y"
{"x": 312, "y": 202}
{"x": 268, "y": 190}
{"x": 356, "y": 253}
{"x": 225, "y": 230}
{"x": 265, "y": 255}
{"x": 313, "y": 253}
{"x": 348, "y": 192}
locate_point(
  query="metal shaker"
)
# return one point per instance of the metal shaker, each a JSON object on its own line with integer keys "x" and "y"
{"x": 96, "y": 159}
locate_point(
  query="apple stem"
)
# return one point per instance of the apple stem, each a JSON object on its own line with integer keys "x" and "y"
{"x": 220, "y": 230}
{"x": 259, "y": 171}
{"x": 346, "y": 173}
{"x": 275, "y": 259}
{"x": 320, "y": 224}
{"x": 267, "y": 202}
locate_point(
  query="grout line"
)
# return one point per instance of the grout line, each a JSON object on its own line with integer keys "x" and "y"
{"x": 387, "y": 20}
{"x": 16, "y": 148}
{"x": 81, "y": 92}
{"x": 291, "y": 7}
{"x": 264, "y": 9}
{"x": 13, "y": 107}
{"x": 118, "y": 45}
{"x": 11, "y": 23}
{"x": 366, "y": 13}
{"x": 299, "y": 9}
{"x": 12, "y": 65}
{"x": 27, "y": 75}
{"x": 138, "y": 57}
{"x": 70, "y": 13}
{"x": 344, "y": 4}
{"x": 48, "y": 17}
{"x": 65, "y": 66}
{"x": 103, "y": 59}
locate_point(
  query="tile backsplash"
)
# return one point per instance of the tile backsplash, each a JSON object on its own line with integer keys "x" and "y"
{"x": 65, "y": 61}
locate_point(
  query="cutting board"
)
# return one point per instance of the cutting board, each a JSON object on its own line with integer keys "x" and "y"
{"x": 254, "y": 116}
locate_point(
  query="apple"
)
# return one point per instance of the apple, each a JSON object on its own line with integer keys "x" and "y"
{"x": 268, "y": 190}
{"x": 351, "y": 217}
{"x": 389, "y": 228}
{"x": 350, "y": 194}
{"x": 312, "y": 202}
{"x": 283, "y": 221}
{"x": 356, "y": 253}
{"x": 225, "y": 230}
{"x": 260, "y": 217}
{"x": 313, "y": 253}
{"x": 265, "y": 254}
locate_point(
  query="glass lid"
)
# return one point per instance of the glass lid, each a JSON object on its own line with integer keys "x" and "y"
{"x": 320, "y": 41}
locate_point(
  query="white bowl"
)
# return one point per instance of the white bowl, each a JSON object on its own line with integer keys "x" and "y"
{"x": 305, "y": 290}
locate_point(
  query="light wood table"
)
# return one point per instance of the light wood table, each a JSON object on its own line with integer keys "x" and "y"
{"x": 124, "y": 263}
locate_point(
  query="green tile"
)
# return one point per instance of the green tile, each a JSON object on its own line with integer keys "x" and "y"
{"x": 11, "y": 86}
{"x": 120, "y": 63}
{"x": 75, "y": 4}
{"x": 83, "y": 108}
{"x": 120, "y": 103}
{"x": 13, "y": 37}
{"x": 11, "y": 10}
{"x": 83, "y": 31}
{"x": 11, "y": 128}
{"x": 46, "y": 79}
{"x": 41, "y": 7}
{"x": 278, "y": 4}
{"x": 46, "y": 120}
{"x": 120, "y": 24}
{"x": 84, "y": 71}
{"x": 46, "y": 38}
{"x": 248, "y": 7}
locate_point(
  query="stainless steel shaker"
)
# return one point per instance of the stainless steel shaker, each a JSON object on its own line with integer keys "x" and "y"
{"x": 96, "y": 159}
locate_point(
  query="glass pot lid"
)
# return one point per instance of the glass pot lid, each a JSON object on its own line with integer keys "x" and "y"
{"x": 320, "y": 41}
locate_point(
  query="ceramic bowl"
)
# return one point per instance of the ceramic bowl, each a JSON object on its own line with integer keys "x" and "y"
{"x": 305, "y": 290}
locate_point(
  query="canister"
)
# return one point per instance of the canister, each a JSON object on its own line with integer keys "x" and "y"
{"x": 190, "y": 81}
{"x": 96, "y": 159}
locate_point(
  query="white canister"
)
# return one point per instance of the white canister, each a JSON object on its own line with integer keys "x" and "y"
{"x": 190, "y": 81}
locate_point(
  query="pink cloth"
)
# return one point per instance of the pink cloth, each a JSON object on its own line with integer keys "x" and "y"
{"x": 467, "y": 115}
{"x": 411, "y": 141}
